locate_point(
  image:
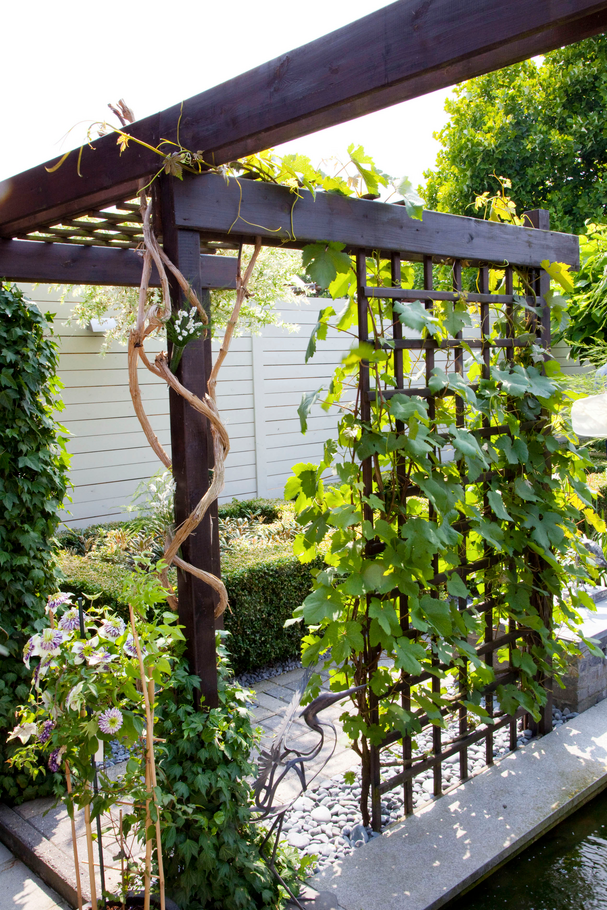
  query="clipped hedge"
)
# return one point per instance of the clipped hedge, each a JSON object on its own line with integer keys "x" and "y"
{"x": 264, "y": 583}
{"x": 267, "y": 509}
{"x": 262, "y": 597}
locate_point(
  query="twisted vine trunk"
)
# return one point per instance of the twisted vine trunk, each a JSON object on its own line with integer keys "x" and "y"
{"x": 150, "y": 319}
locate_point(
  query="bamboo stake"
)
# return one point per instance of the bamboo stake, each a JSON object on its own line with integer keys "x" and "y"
{"x": 123, "y": 890}
{"x": 91, "y": 856}
{"x": 148, "y": 839}
{"x": 153, "y": 769}
{"x": 68, "y": 781}
{"x": 148, "y": 690}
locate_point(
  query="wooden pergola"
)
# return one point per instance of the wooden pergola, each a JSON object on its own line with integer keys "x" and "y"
{"x": 62, "y": 227}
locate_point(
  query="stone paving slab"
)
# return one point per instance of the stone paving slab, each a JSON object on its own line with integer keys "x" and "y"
{"x": 21, "y": 890}
{"x": 455, "y": 841}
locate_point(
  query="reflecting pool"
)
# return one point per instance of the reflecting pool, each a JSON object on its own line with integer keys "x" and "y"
{"x": 565, "y": 870}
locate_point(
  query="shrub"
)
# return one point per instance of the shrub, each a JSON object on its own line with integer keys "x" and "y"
{"x": 267, "y": 509}
{"x": 262, "y": 597}
{"x": 33, "y": 483}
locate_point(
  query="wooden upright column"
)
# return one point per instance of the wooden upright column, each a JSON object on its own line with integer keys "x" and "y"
{"x": 192, "y": 455}
{"x": 540, "y": 219}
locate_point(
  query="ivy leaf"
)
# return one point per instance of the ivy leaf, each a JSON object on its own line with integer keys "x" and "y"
{"x": 457, "y": 317}
{"x": 456, "y": 586}
{"x": 547, "y": 530}
{"x": 343, "y": 517}
{"x": 371, "y": 175}
{"x": 323, "y": 261}
{"x": 437, "y": 612}
{"x": 385, "y": 614}
{"x": 515, "y": 450}
{"x": 305, "y": 482}
{"x": 523, "y": 488}
{"x": 308, "y": 400}
{"x": 560, "y": 273}
{"x": 514, "y": 381}
{"x": 465, "y": 442}
{"x": 322, "y": 604}
{"x": 319, "y": 331}
{"x": 406, "y": 655}
{"x": 492, "y": 533}
{"x": 539, "y": 385}
{"x": 497, "y": 504}
{"x": 353, "y": 636}
{"x": 414, "y": 315}
{"x": 414, "y": 204}
{"x": 402, "y": 407}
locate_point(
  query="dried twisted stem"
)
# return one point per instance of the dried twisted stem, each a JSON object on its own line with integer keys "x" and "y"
{"x": 149, "y": 319}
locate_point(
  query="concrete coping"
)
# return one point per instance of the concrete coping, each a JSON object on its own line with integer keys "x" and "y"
{"x": 457, "y": 840}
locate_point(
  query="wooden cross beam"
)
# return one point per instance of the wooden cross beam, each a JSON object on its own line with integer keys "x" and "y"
{"x": 402, "y": 51}
{"x": 67, "y": 263}
{"x": 245, "y": 209}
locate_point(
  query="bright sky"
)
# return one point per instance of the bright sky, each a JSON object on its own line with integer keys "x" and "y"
{"x": 63, "y": 62}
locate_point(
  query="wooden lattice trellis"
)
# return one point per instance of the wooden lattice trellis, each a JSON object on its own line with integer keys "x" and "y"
{"x": 477, "y": 572}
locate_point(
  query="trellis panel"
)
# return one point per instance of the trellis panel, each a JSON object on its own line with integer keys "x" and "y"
{"x": 478, "y": 569}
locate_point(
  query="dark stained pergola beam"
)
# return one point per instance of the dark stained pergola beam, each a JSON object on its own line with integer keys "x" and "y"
{"x": 402, "y": 51}
{"x": 208, "y": 204}
{"x": 66, "y": 263}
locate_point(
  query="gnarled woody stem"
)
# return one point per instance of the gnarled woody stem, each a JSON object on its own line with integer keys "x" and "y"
{"x": 149, "y": 319}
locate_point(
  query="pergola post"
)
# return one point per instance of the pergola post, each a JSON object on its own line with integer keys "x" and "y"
{"x": 192, "y": 454}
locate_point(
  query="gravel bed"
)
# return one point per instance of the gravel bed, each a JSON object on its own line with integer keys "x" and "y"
{"x": 255, "y": 676}
{"x": 326, "y": 821}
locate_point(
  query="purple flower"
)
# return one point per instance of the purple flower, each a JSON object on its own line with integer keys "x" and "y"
{"x": 112, "y": 628}
{"x": 28, "y": 652}
{"x": 129, "y": 646}
{"x": 110, "y": 721}
{"x": 42, "y": 668}
{"x": 83, "y": 650}
{"x": 55, "y": 600}
{"x": 47, "y": 729}
{"x": 50, "y": 640}
{"x": 54, "y": 761}
{"x": 70, "y": 620}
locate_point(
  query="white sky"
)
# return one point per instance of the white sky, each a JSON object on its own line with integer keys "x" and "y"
{"x": 63, "y": 61}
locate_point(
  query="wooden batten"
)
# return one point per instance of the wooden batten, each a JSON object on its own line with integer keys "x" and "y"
{"x": 62, "y": 263}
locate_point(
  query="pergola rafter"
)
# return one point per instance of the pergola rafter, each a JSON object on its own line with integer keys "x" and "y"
{"x": 402, "y": 51}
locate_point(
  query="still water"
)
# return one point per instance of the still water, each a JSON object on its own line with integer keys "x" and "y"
{"x": 565, "y": 870}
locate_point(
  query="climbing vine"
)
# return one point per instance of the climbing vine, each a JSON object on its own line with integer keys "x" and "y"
{"x": 395, "y": 540}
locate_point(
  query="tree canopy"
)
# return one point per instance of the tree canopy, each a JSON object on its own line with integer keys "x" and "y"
{"x": 540, "y": 124}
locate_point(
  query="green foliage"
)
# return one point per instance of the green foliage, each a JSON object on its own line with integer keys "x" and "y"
{"x": 539, "y": 125}
{"x": 211, "y": 849}
{"x": 586, "y": 326}
{"x": 262, "y": 598}
{"x": 33, "y": 482}
{"x": 401, "y": 531}
{"x": 267, "y": 509}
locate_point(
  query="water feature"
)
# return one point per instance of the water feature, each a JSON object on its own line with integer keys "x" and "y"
{"x": 565, "y": 870}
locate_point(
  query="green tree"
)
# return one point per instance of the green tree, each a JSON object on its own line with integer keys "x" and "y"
{"x": 541, "y": 126}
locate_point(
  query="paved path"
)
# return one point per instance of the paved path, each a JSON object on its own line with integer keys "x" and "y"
{"x": 272, "y": 698}
{"x": 20, "y": 889}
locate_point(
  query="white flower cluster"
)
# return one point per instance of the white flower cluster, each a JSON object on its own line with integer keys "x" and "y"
{"x": 187, "y": 325}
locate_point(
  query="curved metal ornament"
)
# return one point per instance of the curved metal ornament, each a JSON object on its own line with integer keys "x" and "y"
{"x": 281, "y": 761}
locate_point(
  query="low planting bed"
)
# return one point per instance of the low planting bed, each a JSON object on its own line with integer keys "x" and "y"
{"x": 265, "y": 582}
